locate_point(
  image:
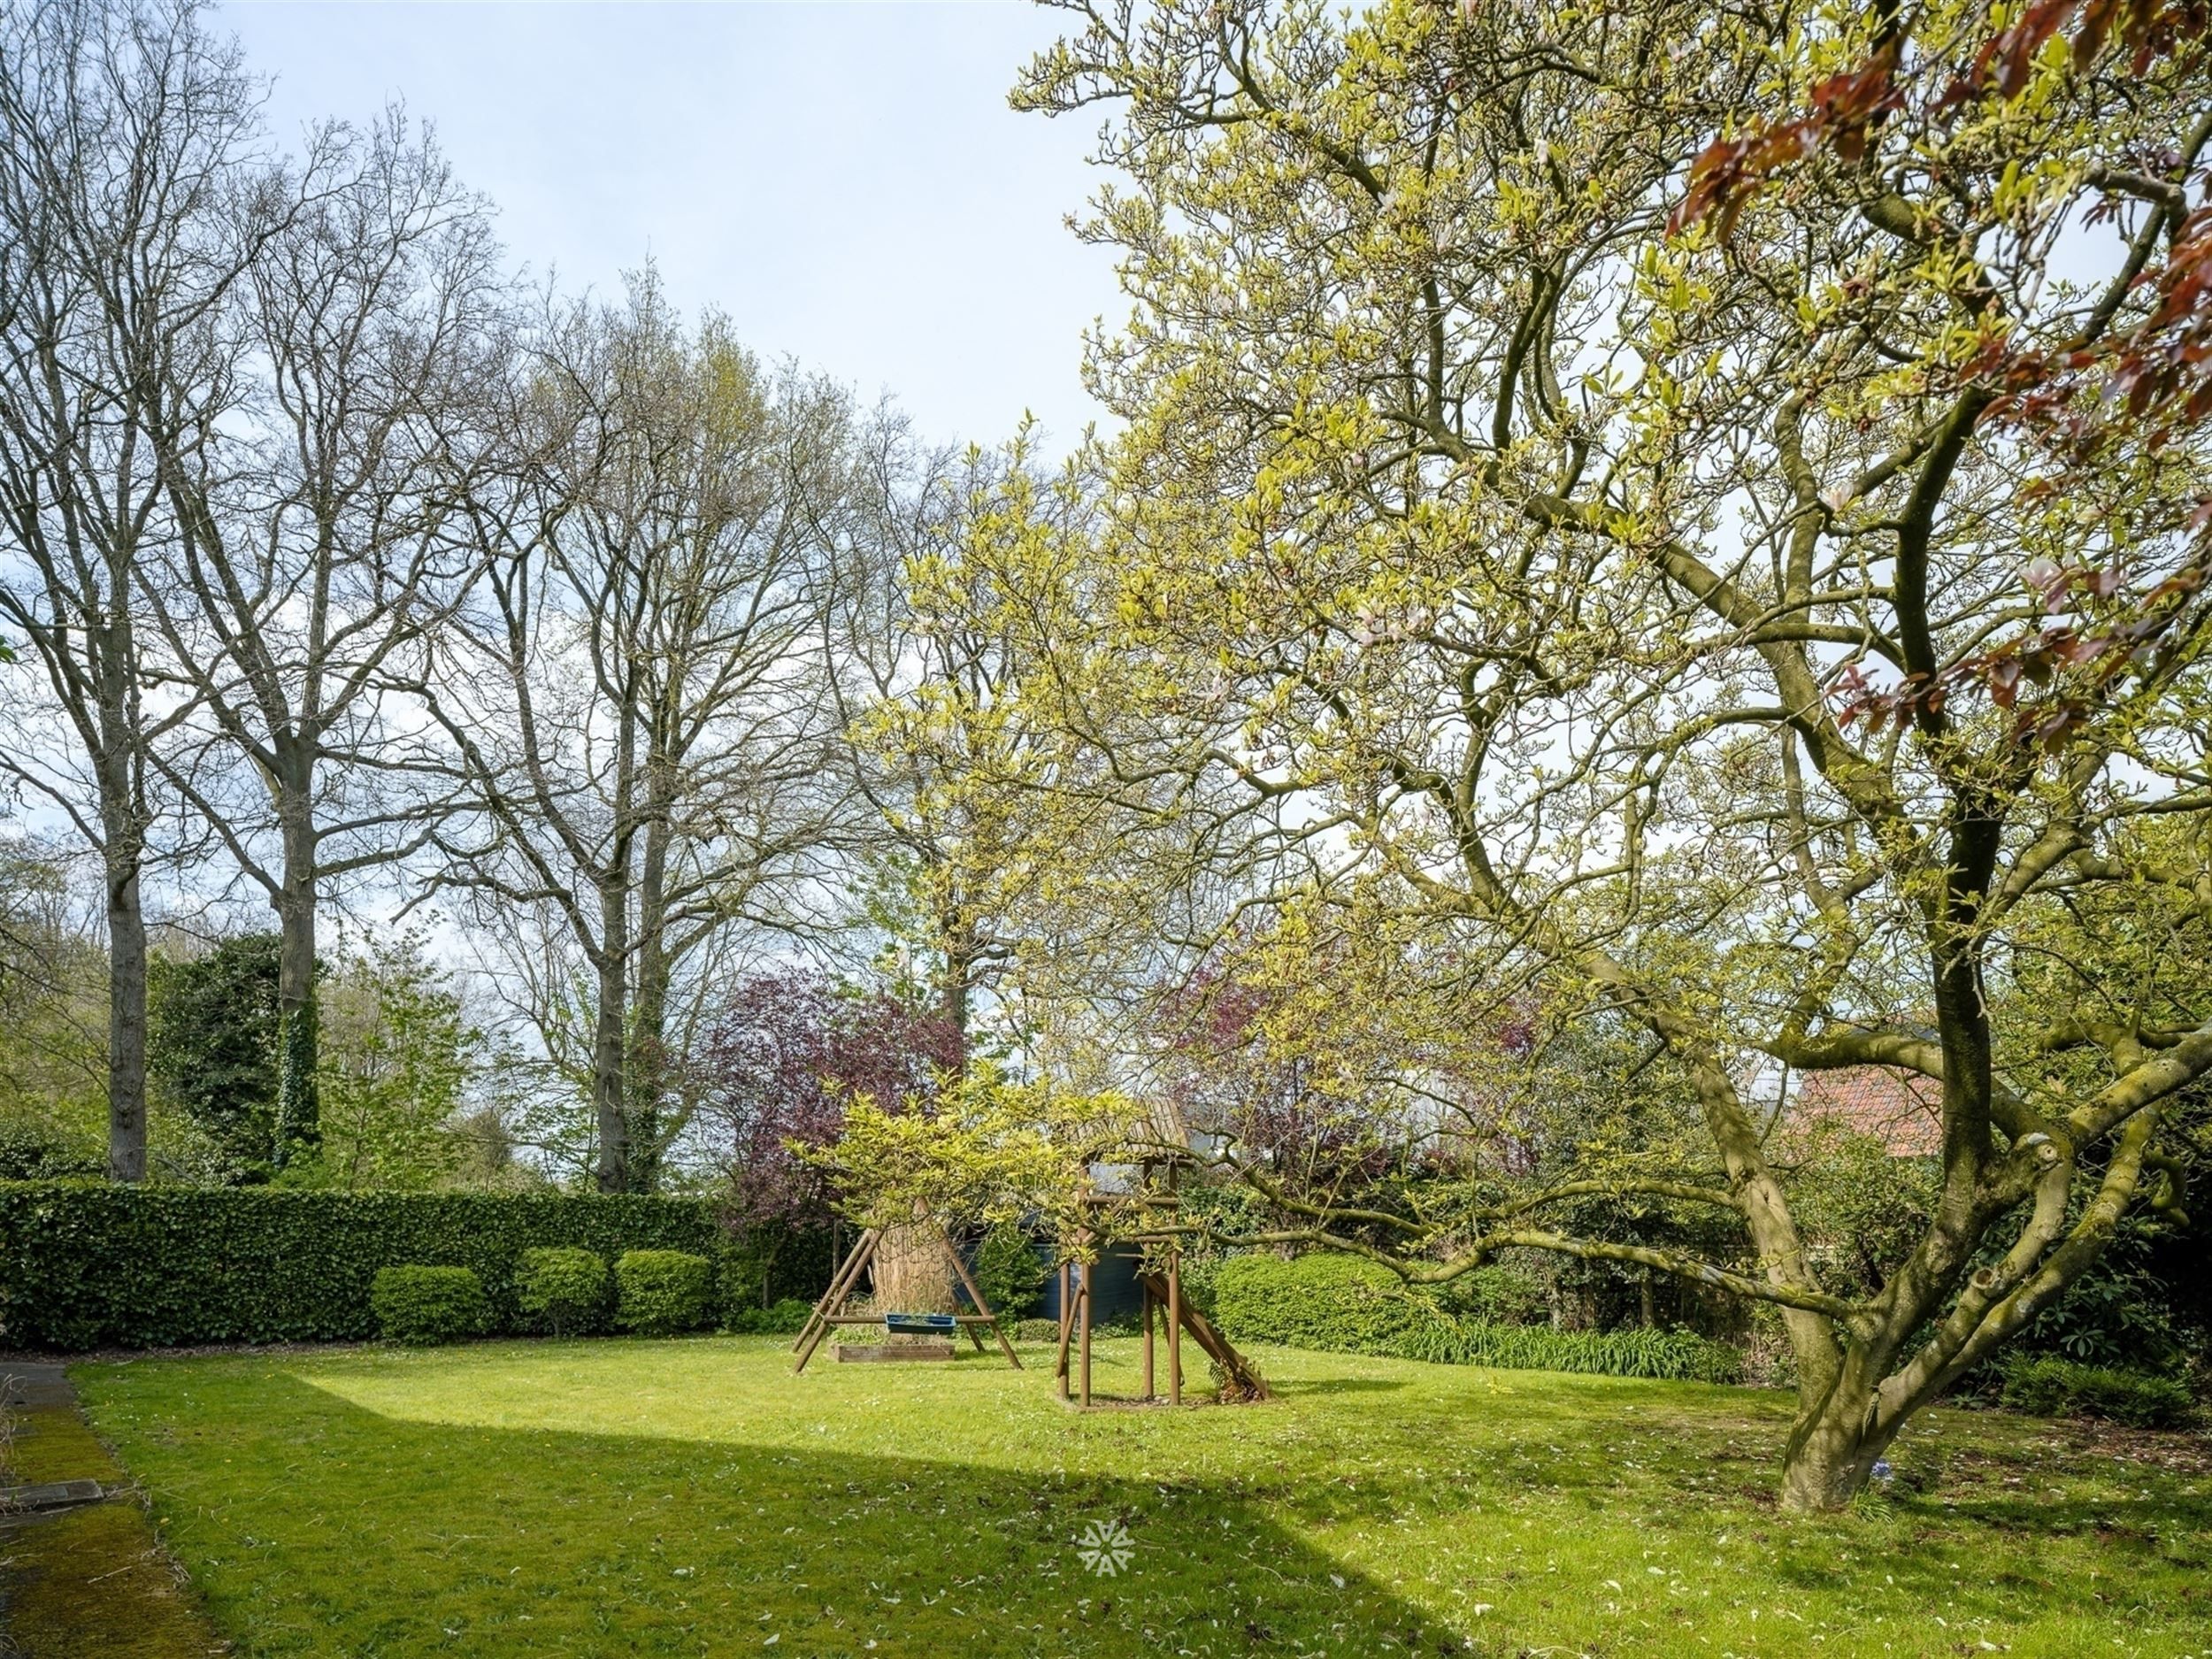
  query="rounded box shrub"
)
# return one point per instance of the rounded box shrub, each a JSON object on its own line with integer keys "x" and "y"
{"x": 422, "y": 1305}
{"x": 562, "y": 1288}
{"x": 658, "y": 1292}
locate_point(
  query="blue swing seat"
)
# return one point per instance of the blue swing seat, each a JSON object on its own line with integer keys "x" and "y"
{"x": 919, "y": 1324}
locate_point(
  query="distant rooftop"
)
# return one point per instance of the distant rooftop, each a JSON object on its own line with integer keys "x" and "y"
{"x": 1902, "y": 1109}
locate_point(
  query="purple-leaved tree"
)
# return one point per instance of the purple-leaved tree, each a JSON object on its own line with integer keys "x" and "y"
{"x": 790, "y": 1049}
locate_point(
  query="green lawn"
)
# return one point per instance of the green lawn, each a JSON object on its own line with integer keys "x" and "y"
{"x": 693, "y": 1497}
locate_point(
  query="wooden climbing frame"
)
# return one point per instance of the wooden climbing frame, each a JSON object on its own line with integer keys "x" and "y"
{"x": 1162, "y": 1285}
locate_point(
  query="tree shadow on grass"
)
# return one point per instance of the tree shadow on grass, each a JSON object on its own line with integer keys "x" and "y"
{"x": 320, "y": 1527}
{"x": 2116, "y": 1521}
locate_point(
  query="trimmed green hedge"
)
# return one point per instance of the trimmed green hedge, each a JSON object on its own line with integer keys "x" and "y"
{"x": 427, "y": 1305}
{"x": 1346, "y": 1305}
{"x": 93, "y": 1266}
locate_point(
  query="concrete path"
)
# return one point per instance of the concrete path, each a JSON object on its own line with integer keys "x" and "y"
{"x": 81, "y": 1572}
{"x": 29, "y": 1394}
{"x": 22, "y": 1385}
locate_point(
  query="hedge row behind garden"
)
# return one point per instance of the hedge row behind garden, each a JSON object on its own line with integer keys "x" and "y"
{"x": 1347, "y": 1305}
{"x": 100, "y": 1266}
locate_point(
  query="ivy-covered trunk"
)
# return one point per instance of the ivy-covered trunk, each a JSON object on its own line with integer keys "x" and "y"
{"x": 299, "y": 1130}
{"x": 646, "y": 1070}
{"x": 126, "y": 993}
{"x": 119, "y": 770}
{"x": 610, "y": 1103}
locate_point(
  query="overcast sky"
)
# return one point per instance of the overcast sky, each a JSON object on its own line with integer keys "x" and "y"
{"x": 844, "y": 179}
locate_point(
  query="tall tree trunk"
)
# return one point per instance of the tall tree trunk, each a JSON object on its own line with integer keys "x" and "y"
{"x": 608, "y": 1097}
{"x": 118, "y": 775}
{"x": 647, "y": 1061}
{"x": 646, "y": 1073}
{"x": 956, "y": 938}
{"x": 299, "y": 1103}
{"x": 126, "y": 1001}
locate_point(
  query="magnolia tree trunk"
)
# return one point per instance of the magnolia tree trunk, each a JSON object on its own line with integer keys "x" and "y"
{"x": 1834, "y": 1439}
{"x": 1833, "y": 1443}
{"x": 1936, "y": 1320}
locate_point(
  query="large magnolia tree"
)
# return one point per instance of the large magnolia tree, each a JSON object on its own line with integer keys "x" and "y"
{"x": 1650, "y": 615}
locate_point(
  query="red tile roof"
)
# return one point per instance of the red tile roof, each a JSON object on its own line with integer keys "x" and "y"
{"x": 1902, "y": 1109}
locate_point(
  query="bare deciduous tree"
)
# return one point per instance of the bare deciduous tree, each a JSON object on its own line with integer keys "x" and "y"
{"x": 638, "y": 699}
{"x": 315, "y": 547}
{"x": 128, "y": 143}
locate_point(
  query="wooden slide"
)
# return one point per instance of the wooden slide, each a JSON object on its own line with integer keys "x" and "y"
{"x": 1245, "y": 1382}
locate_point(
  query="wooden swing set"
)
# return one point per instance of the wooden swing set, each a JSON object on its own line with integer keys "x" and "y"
{"x": 830, "y": 1313}
{"x": 1147, "y": 1219}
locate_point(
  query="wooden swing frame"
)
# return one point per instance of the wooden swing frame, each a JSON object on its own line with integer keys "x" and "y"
{"x": 829, "y": 1312}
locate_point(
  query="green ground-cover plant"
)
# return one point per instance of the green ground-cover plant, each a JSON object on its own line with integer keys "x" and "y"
{"x": 1342, "y": 1303}
{"x": 659, "y": 1293}
{"x": 689, "y": 1498}
{"x": 786, "y": 1318}
{"x": 562, "y": 1287}
{"x": 2063, "y": 1388}
{"x": 427, "y": 1305}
